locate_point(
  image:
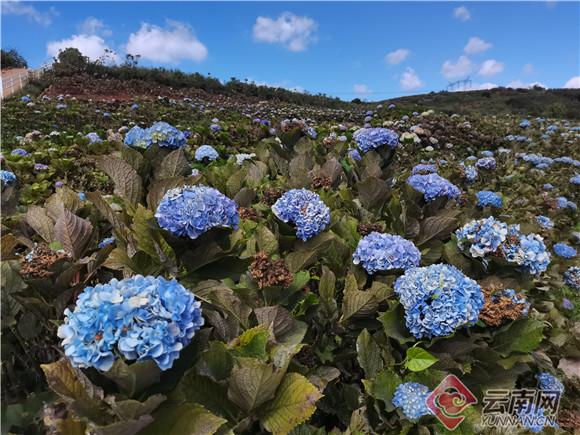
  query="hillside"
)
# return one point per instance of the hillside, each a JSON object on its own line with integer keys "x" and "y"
{"x": 563, "y": 103}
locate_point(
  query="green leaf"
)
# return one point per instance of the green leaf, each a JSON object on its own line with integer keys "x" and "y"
{"x": 521, "y": 336}
{"x": 64, "y": 199}
{"x": 11, "y": 283}
{"x": 279, "y": 317}
{"x": 133, "y": 379}
{"x": 73, "y": 233}
{"x": 436, "y": 227}
{"x": 393, "y": 321}
{"x": 158, "y": 189}
{"x": 252, "y": 343}
{"x": 184, "y": 419}
{"x": 175, "y": 164}
{"x": 216, "y": 362}
{"x": 108, "y": 213}
{"x": 252, "y": 383}
{"x": 368, "y": 354}
{"x": 295, "y": 402}
{"x": 382, "y": 387}
{"x": 419, "y": 359}
{"x": 267, "y": 241}
{"x": 37, "y": 218}
{"x": 373, "y": 193}
{"x": 326, "y": 289}
{"x": 128, "y": 184}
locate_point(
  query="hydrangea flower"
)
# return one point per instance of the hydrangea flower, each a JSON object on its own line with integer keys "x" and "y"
{"x": 142, "y": 318}
{"x": 532, "y": 254}
{"x": 567, "y": 304}
{"x": 548, "y": 382}
{"x": 7, "y": 178}
{"x": 575, "y": 180}
{"x": 525, "y": 123}
{"x": 438, "y": 299}
{"x": 134, "y": 106}
{"x": 137, "y": 137}
{"x": 40, "y": 167}
{"x": 533, "y": 418}
{"x": 106, "y": 242}
{"x": 241, "y": 158}
{"x": 433, "y": 186}
{"x": 82, "y": 196}
{"x": 166, "y": 136}
{"x": 376, "y": 252}
{"x": 94, "y": 138}
{"x": 545, "y": 222}
{"x": 215, "y": 128}
{"x": 305, "y": 210}
{"x": 61, "y": 106}
{"x": 572, "y": 277}
{"x": 26, "y": 99}
{"x": 483, "y": 236}
{"x": 192, "y": 210}
{"x": 355, "y": 155}
{"x": 206, "y": 152}
{"x": 469, "y": 173}
{"x": 564, "y": 203}
{"x": 311, "y": 133}
{"x": 411, "y": 398}
{"x": 373, "y": 138}
{"x": 486, "y": 198}
{"x": 423, "y": 169}
{"x": 564, "y": 250}
{"x": 515, "y": 297}
{"x": 19, "y": 152}
{"x": 486, "y": 163}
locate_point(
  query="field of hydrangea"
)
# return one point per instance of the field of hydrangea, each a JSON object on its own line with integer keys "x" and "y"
{"x": 180, "y": 267}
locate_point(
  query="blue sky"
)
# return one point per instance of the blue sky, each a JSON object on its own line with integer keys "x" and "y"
{"x": 368, "y": 49}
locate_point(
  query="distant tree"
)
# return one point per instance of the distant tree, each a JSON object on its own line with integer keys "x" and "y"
{"x": 70, "y": 61}
{"x": 132, "y": 60}
{"x": 12, "y": 59}
{"x": 356, "y": 101}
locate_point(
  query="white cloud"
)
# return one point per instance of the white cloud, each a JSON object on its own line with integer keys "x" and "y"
{"x": 573, "y": 83}
{"x": 94, "y": 26}
{"x": 92, "y": 46}
{"x": 528, "y": 69}
{"x": 462, "y": 13}
{"x": 475, "y": 87}
{"x": 476, "y": 45}
{"x": 410, "y": 80}
{"x": 519, "y": 84}
{"x": 170, "y": 45}
{"x": 289, "y": 30}
{"x": 490, "y": 68}
{"x": 397, "y": 56}
{"x": 15, "y": 7}
{"x": 460, "y": 68}
{"x": 361, "y": 89}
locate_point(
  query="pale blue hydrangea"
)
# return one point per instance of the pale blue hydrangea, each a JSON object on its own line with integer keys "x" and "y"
{"x": 486, "y": 163}
{"x": 141, "y": 318}
{"x": 411, "y": 398}
{"x": 487, "y": 198}
{"x": 19, "y": 152}
{"x": 564, "y": 250}
{"x": 355, "y": 155}
{"x": 7, "y": 178}
{"x": 529, "y": 252}
{"x": 482, "y": 236}
{"x": 241, "y": 158}
{"x": 311, "y": 133}
{"x": 564, "y": 203}
{"x": 39, "y": 167}
{"x": 468, "y": 172}
{"x": 433, "y": 186}
{"x": 25, "y": 99}
{"x": 545, "y": 222}
{"x": 572, "y": 277}
{"x": 486, "y": 153}
{"x": 533, "y": 418}
{"x": 206, "y": 152}
{"x": 380, "y": 252}
{"x": 548, "y": 186}
{"x": 166, "y": 136}
{"x": 438, "y": 299}
{"x": 548, "y": 382}
{"x": 373, "y": 138}
{"x": 137, "y": 137}
{"x": 215, "y": 128}
{"x": 94, "y": 138}
{"x": 106, "y": 242}
{"x": 525, "y": 123}
{"x": 423, "y": 169}
{"x": 190, "y": 211}
{"x": 305, "y": 210}
{"x": 82, "y": 196}
{"x": 567, "y": 304}
{"x": 575, "y": 180}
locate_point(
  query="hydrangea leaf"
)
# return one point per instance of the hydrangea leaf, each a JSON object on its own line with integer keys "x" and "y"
{"x": 128, "y": 184}
{"x": 108, "y": 213}
{"x": 419, "y": 359}
{"x": 132, "y": 409}
{"x": 382, "y": 386}
{"x": 326, "y": 289}
{"x": 267, "y": 241}
{"x": 158, "y": 189}
{"x": 37, "y": 218}
{"x": 175, "y": 164}
{"x": 393, "y": 321}
{"x": 295, "y": 402}
{"x": 252, "y": 343}
{"x": 134, "y": 378}
{"x": 73, "y": 233}
{"x": 521, "y": 336}
{"x": 368, "y": 354}
{"x": 184, "y": 419}
{"x": 436, "y": 227}
{"x": 252, "y": 383}
{"x": 64, "y": 199}
{"x": 11, "y": 283}
{"x": 216, "y": 362}
{"x": 373, "y": 193}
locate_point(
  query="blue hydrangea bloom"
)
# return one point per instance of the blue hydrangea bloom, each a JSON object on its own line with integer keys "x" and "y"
{"x": 355, "y": 155}
{"x": 525, "y": 123}
{"x": 26, "y": 99}
{"x": 94, "y": 138}
{"x": 516, "y": 298}
{"x": 486, "y": 198}
{"x": 545, "y": 222}
{"x": 564, "y": 250}
{"x": 82, "y": 196}
{"x": 469, "y": 173}
{"x": 486, "y": 153}
{"x": 548, "y": 382}
{"x": 438, "y": 299}
{"x": 376, "y": 252}
{"x": 166, "y": 136}
{"x": 8, "y": 178}
{"x": 567, "y": 304}
{"x": 305, "y": 210}
{"x": 142, "y": 318}
{"x": 411, "y": 398}
{"x": 483, "y": 236}
{"x": 134, "y": 106}
{"x": 373, "y": 138}
{"x": 575, "y": 180}
{"x": 423, "y": 169}
{"x": 572, "y": 277}
{"x": 19, "y": 152}
{"x": 433, "y": 186}
{"x": 206, "y": 152}
{"x": 564, "y": 203}
{"x": 533, "y": 255}
{"x": 215, "y": 128}
{"x": 192, "y": 210}
{"x": 137, "y": 137}
{"x": 106, "y": 242}
{"x": 533, "y": 418}
{"x": 311, "y": 133}
{"x": 40, "y": 167}
{"x": 486, "y": 163}
{"x": 548, "y": 186}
